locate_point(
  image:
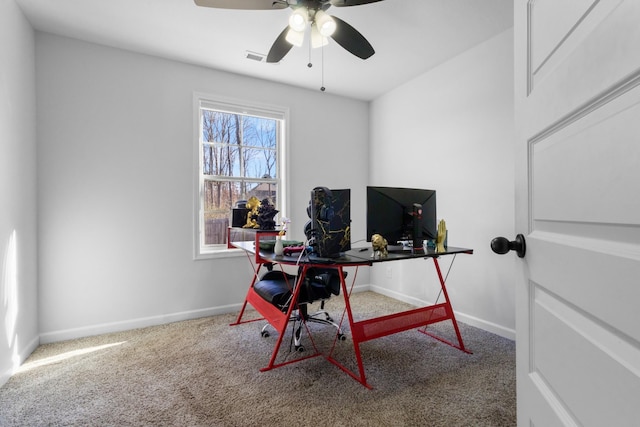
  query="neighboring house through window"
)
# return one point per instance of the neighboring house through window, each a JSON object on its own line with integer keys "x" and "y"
{"x": 240, "y": 155}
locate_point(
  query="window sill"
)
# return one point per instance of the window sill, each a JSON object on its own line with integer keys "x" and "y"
{"x": 218, "y": 254}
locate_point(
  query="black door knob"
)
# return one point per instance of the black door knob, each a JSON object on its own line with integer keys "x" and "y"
{"x": 502, "y": 245}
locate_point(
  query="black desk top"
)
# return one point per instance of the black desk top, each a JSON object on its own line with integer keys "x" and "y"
{"x": 367, "y": 253}
{"x": 356, "y": 256}
{"x": 295, "y": 258}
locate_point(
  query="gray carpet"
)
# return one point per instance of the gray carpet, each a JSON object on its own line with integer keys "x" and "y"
{"x": 204, "y": 372}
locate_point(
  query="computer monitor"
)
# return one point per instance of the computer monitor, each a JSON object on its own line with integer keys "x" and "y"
{"x": 329, "y": 230}
{"x": 391, "y": 212}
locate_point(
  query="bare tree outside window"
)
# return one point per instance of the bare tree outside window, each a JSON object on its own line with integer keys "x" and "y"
{"x": 239, "y": 159}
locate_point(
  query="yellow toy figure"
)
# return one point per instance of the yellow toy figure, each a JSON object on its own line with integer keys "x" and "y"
{"x": 379, "y": 245}
{"x": 252, "y": 204}
{"x": 442, "y": 235}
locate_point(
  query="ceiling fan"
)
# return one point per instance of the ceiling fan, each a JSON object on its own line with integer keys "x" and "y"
{"x": 305, "y": 12}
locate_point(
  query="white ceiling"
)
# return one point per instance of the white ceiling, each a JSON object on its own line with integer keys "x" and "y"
{"x": 409, "y": 36}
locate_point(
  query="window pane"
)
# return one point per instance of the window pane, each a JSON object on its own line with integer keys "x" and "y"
{"x": 259, "y": 163}
{"x": 259, "y": 132}
{"x": 223, "y": 155}
{"x": 221, "y": 196}
{"x": 221, "y": 160}
{"x": 264, "y": 190}
{"x": 220, "y": 127}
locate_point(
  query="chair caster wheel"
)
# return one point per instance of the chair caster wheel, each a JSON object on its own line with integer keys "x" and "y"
{"x": 299, "y": 348}
{"x": 264, "y": 334}
{"x": 342, "y": 337}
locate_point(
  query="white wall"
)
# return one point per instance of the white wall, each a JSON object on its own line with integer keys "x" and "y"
{"x": 115, "y": 176}
{"x": 115, "y": 161}
{"x": 18, "y": 252}
{"x": 451, "y": 129}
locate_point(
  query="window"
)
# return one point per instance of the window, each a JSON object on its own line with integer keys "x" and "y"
{"x": 240, "y": 155}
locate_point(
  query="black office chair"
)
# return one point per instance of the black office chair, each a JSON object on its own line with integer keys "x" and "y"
{"x": 276, "y": 287}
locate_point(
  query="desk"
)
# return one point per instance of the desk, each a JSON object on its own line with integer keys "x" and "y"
{"x": 363, "y": 330}
{"x": 237, "y": 235}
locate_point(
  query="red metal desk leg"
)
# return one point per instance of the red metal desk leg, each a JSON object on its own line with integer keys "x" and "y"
{"x": 450, "y": 314}
{"x": 256, "y": 275}
{"x": 239, "y": 321}
{"x": 354, "y": 334}
{"x": 365, "y": 330}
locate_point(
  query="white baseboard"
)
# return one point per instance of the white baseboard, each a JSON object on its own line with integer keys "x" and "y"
{"x": 142, "y": 322}
{"x": 462, "y": 317}
{"x": 486, "y": 326}
{"x": 397, "y": 295}
{"x": 125, "y": 325}
{"x": 19, "y": 360}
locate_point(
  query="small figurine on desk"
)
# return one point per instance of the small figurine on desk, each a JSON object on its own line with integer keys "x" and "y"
{"x": 442, "y": 237}
{"x": 253, "y": 204}
{"x": 266, "y": 212}
{"x": 379, "y": 245}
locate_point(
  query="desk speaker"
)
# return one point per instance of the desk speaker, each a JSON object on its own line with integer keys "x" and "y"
{"x": 239, "y": 217}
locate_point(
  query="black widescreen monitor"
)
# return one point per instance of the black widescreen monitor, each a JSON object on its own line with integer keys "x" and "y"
{"x": 391, "y": 212}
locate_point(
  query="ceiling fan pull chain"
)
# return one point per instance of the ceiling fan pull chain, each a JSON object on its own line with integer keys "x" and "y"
{"x": 322, "y": 88}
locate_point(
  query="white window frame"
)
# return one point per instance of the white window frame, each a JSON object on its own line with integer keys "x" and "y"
{"x": 236, "y": 106}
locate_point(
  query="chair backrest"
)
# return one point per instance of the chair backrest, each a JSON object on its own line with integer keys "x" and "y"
{"x": 320, "y": 283}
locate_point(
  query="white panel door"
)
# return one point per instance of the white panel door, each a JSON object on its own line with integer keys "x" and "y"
{"x": 578, "y": 205}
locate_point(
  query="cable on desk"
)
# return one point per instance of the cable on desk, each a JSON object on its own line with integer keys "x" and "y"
{"x": 302, "y": 252}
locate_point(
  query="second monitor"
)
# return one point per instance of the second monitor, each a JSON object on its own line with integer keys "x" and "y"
{"x": 401, "y": 214}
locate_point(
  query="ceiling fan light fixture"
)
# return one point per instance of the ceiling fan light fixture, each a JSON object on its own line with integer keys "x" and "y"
{"x": 317, "y": 39}
{"x": 298, "y": 19}
{"x": 303, "y": 13}
{"x": 325, "y": 23}
{"x": 295, "y": 37}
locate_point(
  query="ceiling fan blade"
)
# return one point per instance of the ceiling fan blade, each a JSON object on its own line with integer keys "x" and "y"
{"x": 341, "y": 3}
{"x": 280, "y": 47}
{"x": 350, "y": 39}
{"x": 243, "y": 4}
